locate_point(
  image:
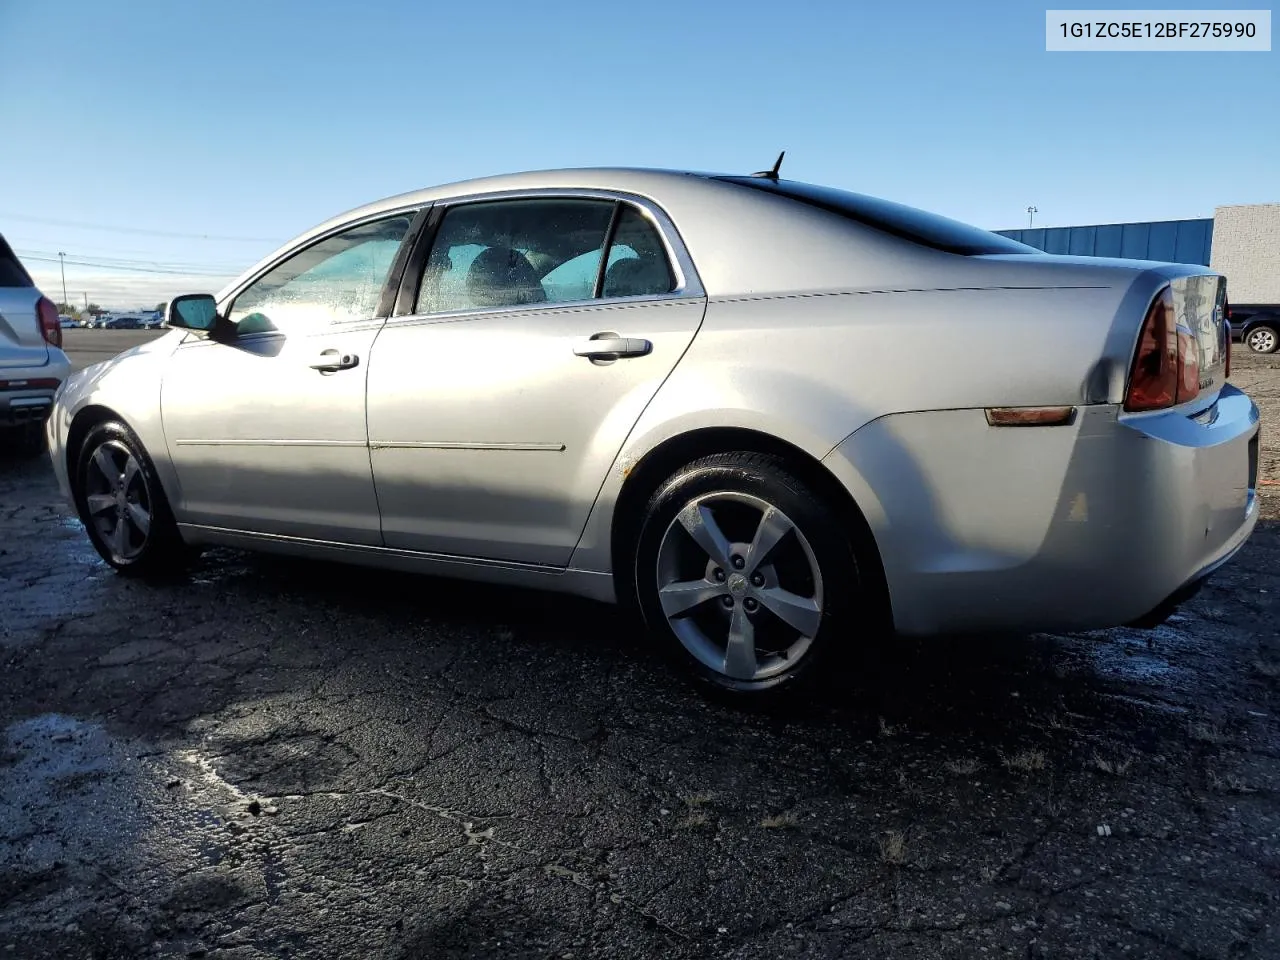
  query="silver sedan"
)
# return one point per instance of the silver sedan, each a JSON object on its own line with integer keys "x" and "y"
{"x": 778, "y": 420}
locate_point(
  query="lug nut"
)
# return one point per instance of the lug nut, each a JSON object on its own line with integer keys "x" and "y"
{"x": 738, "y": 563}
{"x": 751, "y": 605}
{"x": 757, "y": 579}
{"x": 726, "y": 602}
{"x": 718, "y": 575}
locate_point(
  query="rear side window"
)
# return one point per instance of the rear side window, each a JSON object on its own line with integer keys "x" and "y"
{"x": 908, "y": 223}
{"x": 505, "y": 253}
{"x": 500, "y": 254}
{"x": 12, "y": 272}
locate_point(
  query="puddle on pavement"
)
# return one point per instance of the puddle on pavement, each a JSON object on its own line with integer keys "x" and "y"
{"x": 1143, "y": 656}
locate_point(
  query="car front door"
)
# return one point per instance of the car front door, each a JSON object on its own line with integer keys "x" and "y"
{"x": 529, "y": 336}
{"x": 266, "y": 422}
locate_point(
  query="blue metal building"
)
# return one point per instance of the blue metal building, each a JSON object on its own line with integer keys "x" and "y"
{"x": 1172, "y": 241}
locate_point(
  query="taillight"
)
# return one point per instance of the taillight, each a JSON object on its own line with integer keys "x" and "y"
{"x": 1166, "y": 365}
{"x": 49, "y": 325}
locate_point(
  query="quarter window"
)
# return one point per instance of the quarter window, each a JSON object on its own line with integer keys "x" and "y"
{"x": 338, "y": 279}
{"x": 637, "y": 261}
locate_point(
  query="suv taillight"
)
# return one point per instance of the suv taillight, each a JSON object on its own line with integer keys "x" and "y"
{"x": 49, "y": 325}
{"x": 1166, "y": 366}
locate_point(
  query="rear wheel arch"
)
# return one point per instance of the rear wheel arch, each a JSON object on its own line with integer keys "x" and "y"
{"x": 648, "y": 475}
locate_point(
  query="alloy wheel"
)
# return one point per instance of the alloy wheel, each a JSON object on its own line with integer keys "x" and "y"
{"x": 1262, "y": 340}
{"x": 740, "y": 585}
{"x": 118, "y": 500}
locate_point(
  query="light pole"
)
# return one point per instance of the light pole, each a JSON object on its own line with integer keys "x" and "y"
{"x": 62, "y": 266}
{"x": 1031, "y": 216}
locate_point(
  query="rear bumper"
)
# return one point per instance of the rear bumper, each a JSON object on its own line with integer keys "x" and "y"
{"x": 22, "y": 404}
{"x": 1109, "y": 521}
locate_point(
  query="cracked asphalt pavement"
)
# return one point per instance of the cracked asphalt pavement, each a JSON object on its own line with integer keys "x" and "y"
{"x": 273, "y": 758}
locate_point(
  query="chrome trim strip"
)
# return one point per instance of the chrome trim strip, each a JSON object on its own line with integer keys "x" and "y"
{"x": 381, "y": 444}
{"x": 271, "y": 443}
{"x": 463, "y": 445}
{"x": 565, "y": 307}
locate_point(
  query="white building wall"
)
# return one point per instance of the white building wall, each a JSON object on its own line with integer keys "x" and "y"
{"x": 1246, "y": 250}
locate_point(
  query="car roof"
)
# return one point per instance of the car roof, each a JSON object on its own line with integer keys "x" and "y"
{"x": 638, "y": 180}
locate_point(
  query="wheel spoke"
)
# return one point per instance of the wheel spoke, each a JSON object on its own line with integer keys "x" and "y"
{"x": 102, "y": 460}
{"x": 702, "y": 527}
{"x": 100, "y": 503}
{"x": 799, "y": 613}
{"x": 686, "y": 594}
{"x": 120, "y": 537}
{"x": 130, "y": 471}
{"x": 740, "y": 652}
{"x": 140, "y": 519}
{"x": 773, "y": 527}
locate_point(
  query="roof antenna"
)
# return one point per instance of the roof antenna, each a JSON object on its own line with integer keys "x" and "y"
{"x": 772, "y": 174}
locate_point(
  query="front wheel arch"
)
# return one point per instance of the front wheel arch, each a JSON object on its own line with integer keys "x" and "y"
{"x": 84, "y": 421}
{"x": 666, "y": 458}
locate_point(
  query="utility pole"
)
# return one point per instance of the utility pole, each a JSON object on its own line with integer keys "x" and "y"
{"x": 1031, "y": 215}
{"x": 62, "y": 266}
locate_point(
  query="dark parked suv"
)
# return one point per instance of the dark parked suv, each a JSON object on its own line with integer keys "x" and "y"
{"x": 1256, "y": 325}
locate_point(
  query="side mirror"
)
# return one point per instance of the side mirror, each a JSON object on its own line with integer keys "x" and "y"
{"x": 192, "y": 311}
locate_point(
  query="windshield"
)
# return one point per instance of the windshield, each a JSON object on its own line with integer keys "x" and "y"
{"x": 918, "y": 226}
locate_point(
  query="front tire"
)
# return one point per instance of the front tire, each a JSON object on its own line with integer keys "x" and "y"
{"x": 122, "y": 504}
{"x": 749, "y": 578}
{"x": 1263, "y": 338}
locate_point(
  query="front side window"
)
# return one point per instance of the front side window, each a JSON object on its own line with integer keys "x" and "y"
{"x": 515, "y": 252}
{"x": 338, "y": 279}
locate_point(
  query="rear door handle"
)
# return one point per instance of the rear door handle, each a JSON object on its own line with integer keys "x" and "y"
{"x": 330, "y": 361}
{"x": 610, "y": 346}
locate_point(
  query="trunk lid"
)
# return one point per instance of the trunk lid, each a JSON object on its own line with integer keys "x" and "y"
{"x": 21, "y": 342}
{"x": 1200, "y": 302}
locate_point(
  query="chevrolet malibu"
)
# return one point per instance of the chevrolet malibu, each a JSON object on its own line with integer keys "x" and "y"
{"x": 773, "y": 419}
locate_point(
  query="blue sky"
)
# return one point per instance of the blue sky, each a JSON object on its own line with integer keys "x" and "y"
{"x": 236, "y": 125}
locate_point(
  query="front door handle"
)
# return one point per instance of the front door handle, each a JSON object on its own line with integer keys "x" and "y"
{"x": 610, "y": 346}
{"x": 330, "y": 361}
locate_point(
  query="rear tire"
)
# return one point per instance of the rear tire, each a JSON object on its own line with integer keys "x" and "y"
{"x": 1262, "y": 338}
{"x": 123, "y": 506}
{"x": 750, "y": 580}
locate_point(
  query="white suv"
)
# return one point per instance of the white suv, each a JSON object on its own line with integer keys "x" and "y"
{"x": 32, "y": 364}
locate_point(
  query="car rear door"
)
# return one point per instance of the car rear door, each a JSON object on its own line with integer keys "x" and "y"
{"x": 519, "y": 358}
{"x": 22, "y": 343}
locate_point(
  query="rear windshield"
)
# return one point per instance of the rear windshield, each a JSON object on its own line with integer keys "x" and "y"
{"x": 12, "y": 273}
{"x": 918, "y": 226}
